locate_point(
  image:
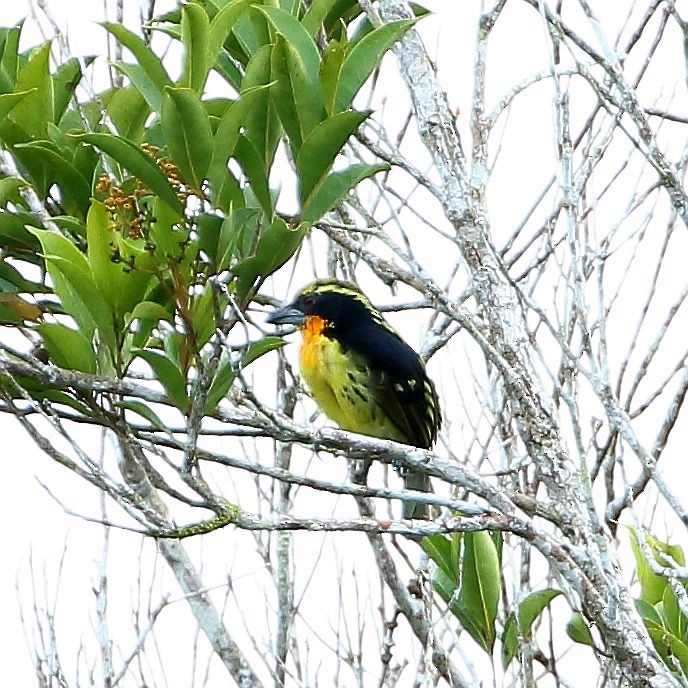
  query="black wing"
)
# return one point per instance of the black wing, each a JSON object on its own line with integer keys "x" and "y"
{"x": 398, "y": 382}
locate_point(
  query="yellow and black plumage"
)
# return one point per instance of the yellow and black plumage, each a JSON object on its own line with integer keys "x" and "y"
{"x": 361, "y": 373}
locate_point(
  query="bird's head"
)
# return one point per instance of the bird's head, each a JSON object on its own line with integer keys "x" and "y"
{"x": 339, "y": 304}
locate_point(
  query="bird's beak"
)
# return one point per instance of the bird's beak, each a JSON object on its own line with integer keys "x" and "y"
{"x": 287, "y": 315}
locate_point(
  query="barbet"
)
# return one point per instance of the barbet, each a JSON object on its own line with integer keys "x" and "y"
{"x": 361, "y": 373}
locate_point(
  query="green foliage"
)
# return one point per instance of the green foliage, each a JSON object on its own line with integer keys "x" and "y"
{"x": 658, "y": 603}
{"x": 468, "y": 578}
{"x": 578, "y": 630}
{"x": 146, "y": 209}
{"x": 519, "y": 624}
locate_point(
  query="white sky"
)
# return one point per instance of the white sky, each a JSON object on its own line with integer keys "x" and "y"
{"x": 35, "y": 523}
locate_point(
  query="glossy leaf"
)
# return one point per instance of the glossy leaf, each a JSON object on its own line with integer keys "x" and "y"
{"x": 227, "y": 133}
{"x": 203, "y": 315}
{"x": 121, "y": 285}
{"x": 140, "y": 164}
{"x": 128, "y": 111}
{"x": 251, "y": 163}
{"x": 364, "y": 57}
{"x": 33, "y": 112}
{"x": 189, "y": 137}
{"x": 195, "y": 27}
{"x": 225, "y": 375}
{"x": 653, "y": 585}
{"x": 675, "y": 620}
{"x": 330, "y": 72}
{"x": 75, "y": 286}
{"x": 277, "y": 243}
{"x": 296, "y": 35}
{"x": 146, "y": 59}
{"x": 8, "y": 101}
{"x": 144, "y": 411}
{"x": 262, "y": 128}
{"x": 65, "y": 80}
{"x": 521, "y": 623}
{"x": 168, "y": 374}
{"x": 221, "y": 25}
{"x": 142, "y": 83}
{"x": 68, "y": 348}
{"x": 149, "y": 310}
{"x": 333, "y": 188}
{"x": 321, "y": 147}
{"x": 10, "y": 190}
{"x": 75, "y": 188}
{"x": 9, "y": 57}
{"x": 296, "y": 93}
{"x": 444, "y": 551}
{"x": 480, "y": 591}
{"x": 577, "y": 629}
{"x": 14, "y": 232}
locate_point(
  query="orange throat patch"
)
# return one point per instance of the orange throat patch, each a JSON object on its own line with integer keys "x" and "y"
{"x": 312, "y": 333}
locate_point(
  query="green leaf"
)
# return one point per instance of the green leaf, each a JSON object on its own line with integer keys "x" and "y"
{"x": 297, "y": 36}
{"x": 140, "y": 164}
{"x": 149, "y": 310}
{"x": 675, "y": 620}
{"x": 476, "y": 606}
{"x": 277, "y": 243}
{"x": 333, "y": 15}
{"x": 648, "y": 613}
{"x": 144, "y": 411}
{"x": 521, "y": 624}
{"x": 128, "y": 110}
{"x": 262, "y": 128}
{"x": 68, "y": 348}
{"x": 142, "y": 84}
{"x": 653, "y": 585}
{"x": 364, "y": 57}
{"x": 330, "y": 72}
{"x": 225, "y": 375}
{"x": 315, "y": 15}
{"x": 74, "y": 187}
{"x": 147, "y": 60}
{"x": 227, "y": 133}
{"x": 321, "y": 147}
{"x": 75, "y": 286}
{"x": 10, "y": 188}
{"x": 333, "y": 188}
{"x": 221, "y": 26}
{"x": 195, "y": 27}
{"x": 189, "y": 137}
{"x": 34, "y": 111}
{"x": 168, "y": 374}
{"x": 9, "y": 57}
{"x": 8, "y": 101}
{"x": 251, "y": 163}
{"x": 296, "y": 93}
{"x": 203, "y": 315}
{"x": 65, "y": 80}
{"x": 12, "y": 281}
{"x": 14, "y": 232}
{"x": 577, "y": 629}
{"x": 443, "y": 551}
{"x": 121, "y": 285}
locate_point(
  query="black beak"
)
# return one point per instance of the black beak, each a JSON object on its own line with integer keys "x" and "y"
{"x": 287, "y": 315}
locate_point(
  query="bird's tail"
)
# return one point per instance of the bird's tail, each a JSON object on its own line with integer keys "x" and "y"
{"x": 421, "y": 482}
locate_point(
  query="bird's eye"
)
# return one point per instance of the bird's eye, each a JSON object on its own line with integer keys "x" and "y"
{"x": 308, "y": 301}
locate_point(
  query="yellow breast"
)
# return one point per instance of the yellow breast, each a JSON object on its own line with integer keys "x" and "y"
{"x": 338, "y": 386}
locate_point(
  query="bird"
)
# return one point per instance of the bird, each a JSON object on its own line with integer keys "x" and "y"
{"x": 361, "y": 374}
